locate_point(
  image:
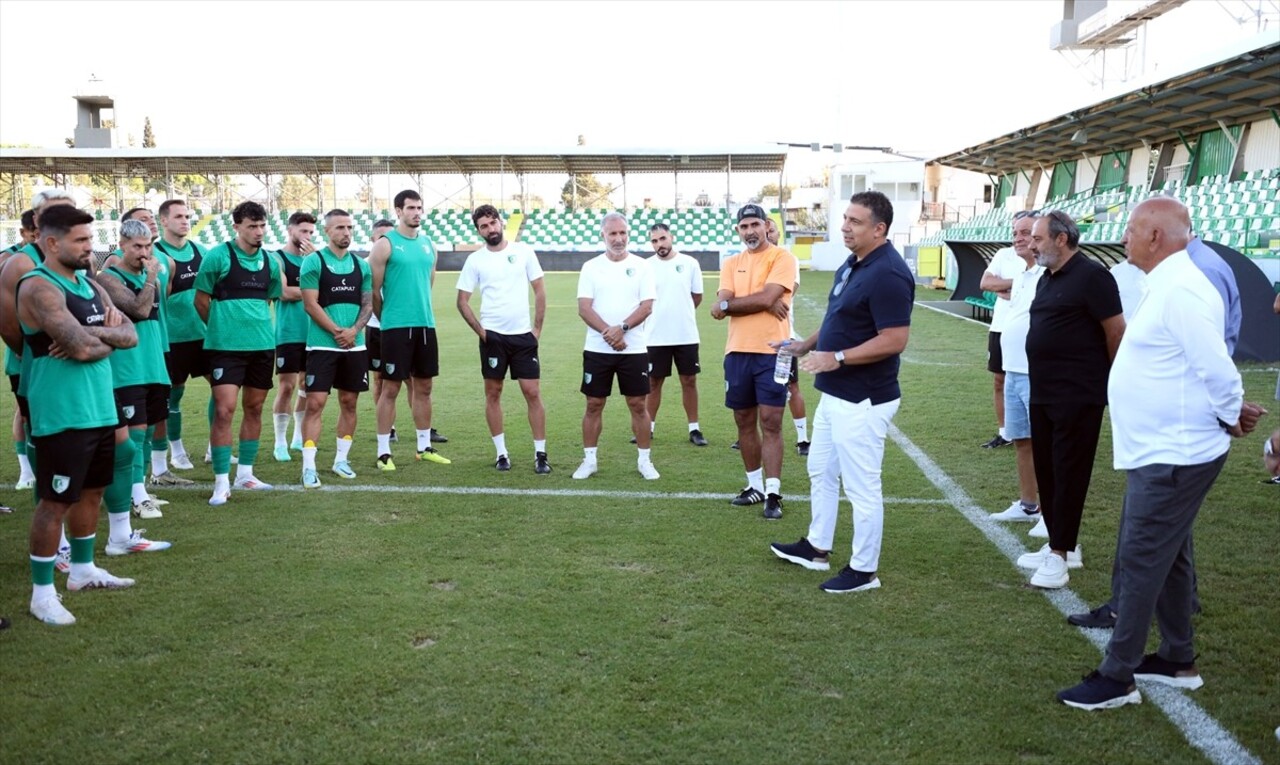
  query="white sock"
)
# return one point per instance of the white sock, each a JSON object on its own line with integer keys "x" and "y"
{"x": 424, "y": 439}
{"x": 80, "y": 570}
{"x": 589, "y": 452}
{"x": 694, "y": 426}
{"x": 121, "y": 529}
{"x": 63, "y": 543}
{"x": 343, "y": 449}
{"x": 384, "y": 444}
{"x": 1001, "y": 432}
{"x": 308, "y": 458}
{"x": 773, "y": 486}
{"x": 540, "y": 446}
{"x": 244, "y": 471}
{"x": 221, "y": 482}
{"x": 139, "y": 494}
{"x": 175, "y": 445}
{"x": 642, "y": 455}
{"x": 297, "y": 424}
{"x": 653, "y": 424}
{"x": 282, "y": 429}
{"x": 42, "y": 591}
{"x": 802, "y": 428}
{"x": 500, "y": 443}
{"x": 755, "y": 479}
{"x": 158, "y": 464}
{"x": 24, "y": 467}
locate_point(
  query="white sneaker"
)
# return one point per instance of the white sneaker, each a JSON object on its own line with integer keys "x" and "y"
{"x": 24, "y": 483}
{"x": 343, "y": 468}
{"x": 220, "y": 497}
{"x": 183, "y": 462}
{"x": 1034, "y": 560}
{"x": 136, "y": 543}
{"x": 1052, "y": 574}
{"x": 50, "y": 611}
{"x": 251, "y": 483}
{"x": 310, "y": 480}
{"x": 585, "y": 470}
{"x": 157, "y": 501}
{"x": 147, "y": 510}
{"x": 647, "y": 470}
{"x": 1039, "y": 531}
{"x": 62, "y": 564}
{"x": 1016, "y": 513}
{"x": 168, "y": 478}
{"x": 100, "y": 579}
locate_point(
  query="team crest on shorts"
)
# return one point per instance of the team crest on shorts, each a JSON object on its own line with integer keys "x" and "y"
{"x": 310, "y": 379}
{"x": 217, "y": 373}
{"x": 61, "y": 483}
{"x": 493, "y": 362}
{"x": 391, "y": 369}
{"x": 128, "y": 412}
{"x": 377, "y": 363}
{"x": 280, "y": 361}
{"x": 586, "y": 378}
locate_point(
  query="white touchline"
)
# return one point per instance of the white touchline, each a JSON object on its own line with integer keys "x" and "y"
{"x": 1200, "y": 729}
{"x": 925, "y": 304}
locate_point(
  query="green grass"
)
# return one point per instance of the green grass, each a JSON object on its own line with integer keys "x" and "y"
{"x": 378, "y": 627}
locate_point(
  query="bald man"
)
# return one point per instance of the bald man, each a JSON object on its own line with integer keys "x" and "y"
{"x": 1173, "y": 351}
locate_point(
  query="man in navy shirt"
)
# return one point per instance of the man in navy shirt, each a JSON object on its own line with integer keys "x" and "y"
{"x": 855, "y": 354}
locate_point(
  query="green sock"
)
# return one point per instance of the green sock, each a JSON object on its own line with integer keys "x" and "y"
{"x": 82, "y": 549}
{"x": 119, "y": 495}
{"x": 211, "y": 411}
{"x": 159, "y": 445}
{"x": 20, "y": 447}
{"x": 42, "y": 570}
{"x": 175, "y": 412}
{"x": 248, "y": 452}
{"x": 221, "y": 459}
{"x": 141, "y": 451}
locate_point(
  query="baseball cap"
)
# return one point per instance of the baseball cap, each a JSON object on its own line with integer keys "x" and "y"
{"x": 751, "y": 211}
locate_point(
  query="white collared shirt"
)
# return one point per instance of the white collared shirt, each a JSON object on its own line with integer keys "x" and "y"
{"x": 1172, "y": 379}
{"x": 1017, "y": 318}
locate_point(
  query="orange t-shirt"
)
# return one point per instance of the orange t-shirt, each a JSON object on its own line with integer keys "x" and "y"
{"x": 746, "y": 274}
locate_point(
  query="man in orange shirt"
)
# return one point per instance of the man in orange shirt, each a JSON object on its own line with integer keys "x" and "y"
{"x": 755, "y": 295}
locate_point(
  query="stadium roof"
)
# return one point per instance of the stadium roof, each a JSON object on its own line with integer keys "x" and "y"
{"x": 161, "y": 162}
{"x": 1240, "y": 89}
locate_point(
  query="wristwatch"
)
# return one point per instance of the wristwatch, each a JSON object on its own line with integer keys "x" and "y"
{"x": 724, "y": 305}
{"x": 839, "y": 356}
{"x": 625, "y": 326}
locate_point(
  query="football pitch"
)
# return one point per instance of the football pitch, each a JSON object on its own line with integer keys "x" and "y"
{"x": 448, "y": 613}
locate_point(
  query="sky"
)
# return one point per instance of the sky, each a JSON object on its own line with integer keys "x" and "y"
{"x": 925, "y": 77}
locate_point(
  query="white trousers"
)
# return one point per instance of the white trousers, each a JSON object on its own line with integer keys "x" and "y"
{"x": 848, "y": 444}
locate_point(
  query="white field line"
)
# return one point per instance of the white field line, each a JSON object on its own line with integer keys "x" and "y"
{"x": 504, "y": 491}
{"x": 1201, "y": 730}
{"x": 925, "y": 304}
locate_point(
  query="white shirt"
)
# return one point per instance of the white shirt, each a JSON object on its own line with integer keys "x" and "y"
{"x": 1005, "y": 264}
{"x": 503, "y": 278}
{"x": 1017, "y": 319}
{"x": 1172, "y": 379}
{"x": 676, "y": 281}
{"x": 1133, "y": 285}
{"x": 616, "y": 291}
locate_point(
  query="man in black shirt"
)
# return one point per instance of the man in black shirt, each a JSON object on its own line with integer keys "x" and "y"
{"x": 1076, "y": 326}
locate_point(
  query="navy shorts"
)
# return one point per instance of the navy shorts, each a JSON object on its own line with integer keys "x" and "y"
{"x": 748, "y": 381}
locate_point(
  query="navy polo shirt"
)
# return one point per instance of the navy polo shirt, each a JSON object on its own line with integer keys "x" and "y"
{"x": 868, "y": 295}
{"x": 1066, "y": 346}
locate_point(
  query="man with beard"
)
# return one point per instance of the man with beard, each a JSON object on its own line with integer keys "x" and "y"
{"x": 503, "y": 272}
{"x": 404, "y": 271}
{"x": 291, "y": 336}
{"x": 673, "y": 328}
{"x": 336, "y": 292}
{"x": 234, "y": 288}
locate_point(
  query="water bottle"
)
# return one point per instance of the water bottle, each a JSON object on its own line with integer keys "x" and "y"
{"x": 782, "y": 367}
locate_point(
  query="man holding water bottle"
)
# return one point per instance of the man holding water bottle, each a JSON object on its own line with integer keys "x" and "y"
{"x": 755, "y": 295}
{"x": 855, "y": 354}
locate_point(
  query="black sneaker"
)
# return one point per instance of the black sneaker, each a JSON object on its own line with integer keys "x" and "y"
{"x": 747, "y": 496}
{"x": 1100, "y": 618}
{"x": 1179, "y": 674}
{"x": 1100, "y": 692}
{"x": 772, "y": 507}
{"x": 540, "y": 464}
{"x": 802, "y": 448}
{"x": 436, "y": 438}
{"x": 802, "y": 554}
{"x": 733, "y": 445}
{"x": 996, "y": 442}
{"x": 503, "y": 463}
{"x": 695, "y": 438}
{"x": 849, "y": 580}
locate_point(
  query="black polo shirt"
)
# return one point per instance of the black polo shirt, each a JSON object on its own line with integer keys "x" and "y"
{"x": 1066, "y": 347}
{"x": 867, "y": 296}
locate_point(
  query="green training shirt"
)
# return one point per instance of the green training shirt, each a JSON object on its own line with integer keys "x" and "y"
{"x": 144, "y": 363}
{"x": 182, "y": 323}
{"x": 341, "y": 284}
{"x": 291, "y": 317}
{"x": 406, "y": 283}
{"x": 242, "y": 286}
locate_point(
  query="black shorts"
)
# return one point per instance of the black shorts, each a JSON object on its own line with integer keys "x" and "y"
{"x": 344, "y": 370}
{"x": 373, "y": 348}
{"x": 795, "y": 370}
{"x": 14, "y": 382}
{"x": 995, "y": 359}
{"x": 291, "y": 358}
{"x": 245, "y": 369}
{"x": 185, "y": 360}
{"x": 74, "y": 460}
{"x": 519, "y": 353}
{"x": 142, "y": 405}
{"x": 598, "y": 370}
{"x": 409, "y": 352}
{"x": 24, "y": 407}
{"x": 684, "y": 356}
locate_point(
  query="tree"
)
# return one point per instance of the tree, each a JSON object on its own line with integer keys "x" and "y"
{"x": 771, "y": 190}
{"x": 588, "y": 192}
{"x": 148, "y": 137}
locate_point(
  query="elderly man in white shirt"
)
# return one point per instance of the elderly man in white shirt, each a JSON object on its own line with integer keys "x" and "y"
{"x": 1176, "y": 400}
